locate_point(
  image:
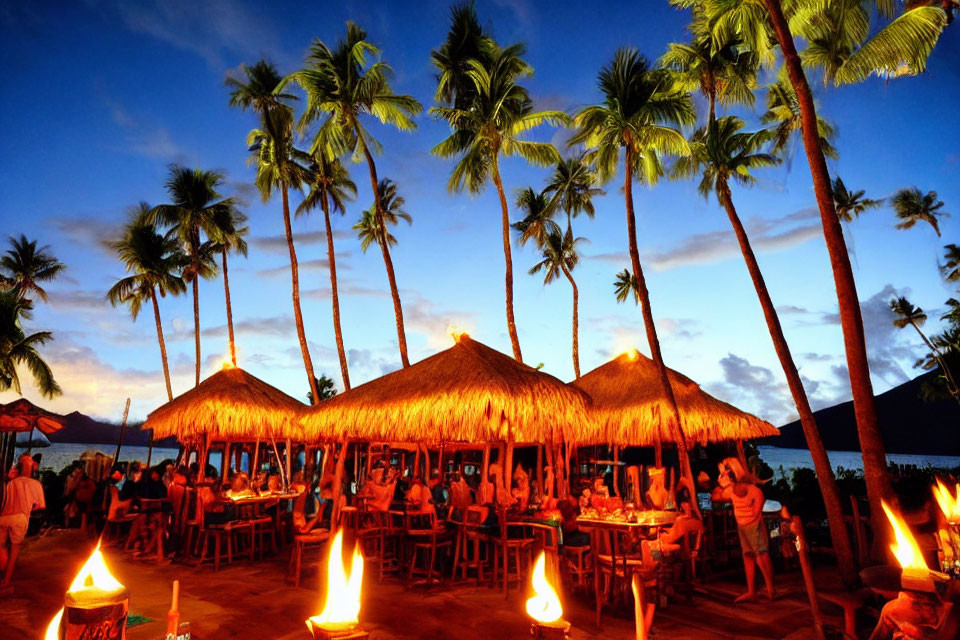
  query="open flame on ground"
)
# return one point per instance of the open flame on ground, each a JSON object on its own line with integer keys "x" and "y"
{"x": 93, "y": 574}
{"x": 905, "y": 547}
{"x": 342, "y": 608}
{"x": 949, "y": 504}
{"x": 544, "y": 606}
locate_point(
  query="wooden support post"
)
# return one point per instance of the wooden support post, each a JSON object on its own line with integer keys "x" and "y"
{"x": 225, "y": 461}
{"x": 547, "y": 490}
{"x": 741, "y": 453}
{"x": 150, "y": 448}
{"x": 416, "y": 463}
{"x": 508, "y": 469}
{"x": 539, "y": 471}
{"x": 796, "y": 526}
{"x": 441, "y": 468}
{"x": 486, "y": 464}
{"x": 642, "y": 612}
{"x": 658, "y": 454}
{"x": 616, "y": 470}
{"x": 289, "y": 452}
{"x": 426, "y": 465}
{"x": 338, "y": 482}
{"x": 256, "y": 460}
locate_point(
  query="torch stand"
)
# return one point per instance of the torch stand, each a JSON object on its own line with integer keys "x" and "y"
{"x": 549, "y": 630}
{"x": 349, "y": 633}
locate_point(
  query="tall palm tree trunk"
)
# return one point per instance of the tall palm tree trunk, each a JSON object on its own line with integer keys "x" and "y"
{"x": 196, "y": 323}
{"x": 297, "y": 313}
{"x": 576, "y": 322}
{"x": 825, "y": 477}
{"x": 508, "y": 259}
{"x": 334, "y": 294}
{"x": 387, "y": 260}
{"x": 872, "y": 449}
{"x": 651, "y": 329}
{"x": 163, "y": 344}
{"x": 226, "y": 294}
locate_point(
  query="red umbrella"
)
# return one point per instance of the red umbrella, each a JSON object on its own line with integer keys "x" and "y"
{"x": 22, "y": 415}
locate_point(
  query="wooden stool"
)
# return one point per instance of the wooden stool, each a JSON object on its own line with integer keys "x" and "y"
{"x": 578, "y": 565}
{"x": 263, "y": 528}
{"x": 303, "y": 543}
{"x": 850, "y": 603}
{"x": 228, "y": 532}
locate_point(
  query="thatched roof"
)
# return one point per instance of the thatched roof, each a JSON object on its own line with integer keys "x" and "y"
{"x": 229, "y": 405}
{"x": 21, "y": 415}
{"x": 629, "y": 407}
{"x": 467, "y": 393}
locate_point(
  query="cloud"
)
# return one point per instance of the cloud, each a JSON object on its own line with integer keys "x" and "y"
{"x": 345, "y": 289}
{"x": 142, "y": 139}
{"x": 766, "y": 235}
{"x": 625, "y": 334}
{"x": 82, "y": 300}
{"x": 278, "y": 244}
{"x": 421, "y": 316}
{"x": 754, "y": 388}
{"x": 319, "y": 264}
{"x": 92, "y": 231}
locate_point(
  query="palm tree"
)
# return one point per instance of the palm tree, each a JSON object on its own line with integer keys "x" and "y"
{"x": 17, "y": 348}
{"x": 573, "y": 185}
{"x": 850, "y": 204}
{"x": 154, "y": 262}
{"x": 229, "y": 236}
{"x": 538, "y": 222}
{"x": 373, "y": 228}
{"x": 25, "y": 266}
{"x": 912, "y": 206}
{"x": 624, "y": 284}
{"x": 908, "y": 315}
{"x": 722, "y": 152}
{"x": 491, "y": 126}
{"x": 342, "y": 87}
{"x": 465, "y": 41}
{"x": 951, "y": 267}
{"x": 330, "y": 188}
{"x": 326, "y": 387}
{"x": 195, "y": 205}
{"x": 559, "y": 255}
{"x": 783, "y": 111}
{"x": 279, "y": 166}
{"x": 638, "y": 108}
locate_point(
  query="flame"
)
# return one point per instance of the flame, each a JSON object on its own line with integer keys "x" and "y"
{"x": 544, "y": 606}
{"x": 949, "y": 504}
{"x": 905, "y": 549}
{"x": 93, "y": 574}
{"x": 632, "y": 355}
{"x": 226, "y": 364}
{"x": 456, "y": 332}
{"x": 342, "y": 608}
{"x": 53, "y": 629}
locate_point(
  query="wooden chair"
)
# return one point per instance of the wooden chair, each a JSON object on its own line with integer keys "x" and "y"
{"x": 424, "y": 544}
{"x": 231, "y": 533}
{"x": 578, "y": 566}
{"x": 304, "y": 543}
{"x": 118, "y": 522}
{"x": 615, "y": 564}
{"x": 510, "y": 552}
{"x": 473, "y": 546}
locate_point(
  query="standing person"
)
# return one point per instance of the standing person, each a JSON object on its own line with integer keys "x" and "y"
{"x": 754, "y": 540}
{"x": 22, "y": 495}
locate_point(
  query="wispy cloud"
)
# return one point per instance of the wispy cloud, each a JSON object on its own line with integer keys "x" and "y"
{"x": 92, "y": 231}
{"x": 278, "y": 244}
{"x": 319, "y": 264}
{"x": 143, "y": 139}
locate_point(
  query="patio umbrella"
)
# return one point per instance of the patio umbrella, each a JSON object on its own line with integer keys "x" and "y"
{"x": 467, "y": 393}
{"x": 629, "y": 408}
{"x": 22, "y": 415}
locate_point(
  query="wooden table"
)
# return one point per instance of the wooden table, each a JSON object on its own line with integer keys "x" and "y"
{"x": 647, "y": 520}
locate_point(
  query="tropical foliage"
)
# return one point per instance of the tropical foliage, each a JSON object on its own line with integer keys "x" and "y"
{"x": 912, "y": 206}
{"x": 25, "y": 266}
{"x": 850, "y": 204}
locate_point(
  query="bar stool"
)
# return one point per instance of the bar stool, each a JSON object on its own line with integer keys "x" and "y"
{"x": 425, "y": 543}
{"x": 578, "y": 565}
{"x": 510, "y": 552}
{"x": 304, "y": 543}
{"x": 473, "y": 546}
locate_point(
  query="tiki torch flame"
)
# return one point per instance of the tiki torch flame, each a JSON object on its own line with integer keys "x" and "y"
{"x": 949, "y": 504}
{"x": 342, "y": 608}
{"x": 93, "y": 579}
{"x": 544, "y": 606}
{"x": 906, "y": 549}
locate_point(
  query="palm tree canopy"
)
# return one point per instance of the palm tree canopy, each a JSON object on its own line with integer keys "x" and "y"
{"x": 906, "y": 313}
{"x": 639, "y": 106}
{"x": 372, "y": 228}
{"x": 17, "y": 348}
{"x": 259, "y": 91}
{"x": 229, "y": 230}
{"x": 624, "y": 284}
{"x": 342, "y": 84}
{"x": 783, "y": 111}
{"x": 951, "y": 266}
{"x": 328, "y": 177}
{"x": 465, "y": 41}
{"x": 537, "y": 222}
{"x": 195, "y": 205}
{"x": 573, "y": 185}
{"x": 850, "y": 204}
{"x": 25, "y": 265}
{"x": 912, "y": 206}
{"x": 559, "y": 254}
{"x": 280, "y": 165}
{"x": 494, "y": 122}
{"x": 153, "y": 260}
{"x": 722, "y": 151}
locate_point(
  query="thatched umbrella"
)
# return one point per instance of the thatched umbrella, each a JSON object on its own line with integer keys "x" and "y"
{"x": 629, "y": 408}
{"x": 229, "y": 405}
{"x": 22, "y": 415}
{"x": 468, "y": 393}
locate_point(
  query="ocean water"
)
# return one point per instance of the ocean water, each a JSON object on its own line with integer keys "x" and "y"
{"x": 59, "y": 454}
{"x": 800, "y": 458}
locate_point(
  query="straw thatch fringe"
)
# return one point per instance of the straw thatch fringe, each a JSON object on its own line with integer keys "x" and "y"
{"x": 467, "y": 393}
{"x": 230, "y": 404}
{"x": 629, "y": 409}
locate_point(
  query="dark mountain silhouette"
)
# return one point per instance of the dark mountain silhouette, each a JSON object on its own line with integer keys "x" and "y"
{"x": 908, "y": 423}
{"x": 78, "y": 427}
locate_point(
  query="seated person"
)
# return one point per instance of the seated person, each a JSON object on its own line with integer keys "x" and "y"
{"x": 239, "y": 486}
{"x": 657, "y": 493}
{"x": 215, "y": 509}
{"x": 569, "y": 510}
{"x": 418, "y": 498}
{"x": 599, "y": 493}
{"x": 670, "y": 539}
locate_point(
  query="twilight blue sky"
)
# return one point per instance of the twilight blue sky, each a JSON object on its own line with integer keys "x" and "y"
{"x": 103, "y": 95}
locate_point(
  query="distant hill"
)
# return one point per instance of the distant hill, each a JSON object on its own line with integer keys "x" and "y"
{"x": 78, "y": 427}
{"x": 908, "y": 423}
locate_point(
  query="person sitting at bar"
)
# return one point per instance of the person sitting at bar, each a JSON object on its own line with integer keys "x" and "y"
{"x": 669, "y": 539}
{"x": 657, "y": 493}
{"x": 569, "y": 509}
{"x": 599, "y": 493}
{"x": 754, "y": 540}
{"x": 239, "y": 486}
{"x": 521, "y": 492}
{"x": 21, "y": 495}
{"x": 418, "y": 498}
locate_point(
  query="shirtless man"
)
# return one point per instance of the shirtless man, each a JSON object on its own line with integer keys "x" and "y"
{"x": 754, "y": 540}
{"x": 22, "y": 495}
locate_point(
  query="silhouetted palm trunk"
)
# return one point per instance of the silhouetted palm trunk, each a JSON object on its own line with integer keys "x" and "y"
{"x": 872, "y": 449}
{"x": 297, "y": 313}
{"x": 576, "y": 322}
{"x": 196, "y": 323}
{"x": 334, "y": 295}
{"x": 650, "y": 327}
{"x": 226, "y": 294}
{"x": 387, "y": 261}
{"x": 821, "y": 462}
{"x": 163, "y": 345}
{"x": 508, "y": 258}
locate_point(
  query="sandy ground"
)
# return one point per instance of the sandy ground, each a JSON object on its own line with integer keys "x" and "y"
{"x": 252, "y": 600}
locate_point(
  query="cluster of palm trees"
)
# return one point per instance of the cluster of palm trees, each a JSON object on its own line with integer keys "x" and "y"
{"x": 636, "y": 125}
{"x": 23, "y": 270}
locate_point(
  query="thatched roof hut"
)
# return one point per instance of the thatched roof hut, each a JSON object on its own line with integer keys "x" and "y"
{"x": 229, "y": 405}
{"x": 467, "y": 393}
{"x": 21, "y": 415}
{"x": 629, "y": 407}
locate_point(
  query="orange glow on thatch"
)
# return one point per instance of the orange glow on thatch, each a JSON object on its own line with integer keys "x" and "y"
{"x": 544, "y": 606}
{"x": 93, "y": 575}
{"x": 226, "y": 364}
{"x": 456, "y": 332}
{"x": 342, "y": 608}
{"x": 949, "y": 504}
{"x": 632, "y": 354}
{"x": 905, "y": 548}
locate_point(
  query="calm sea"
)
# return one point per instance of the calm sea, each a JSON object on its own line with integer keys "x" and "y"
{"x": 59, "y": 455}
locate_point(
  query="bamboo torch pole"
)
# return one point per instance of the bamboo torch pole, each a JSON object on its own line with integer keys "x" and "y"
{"x": 123, "y": 427}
